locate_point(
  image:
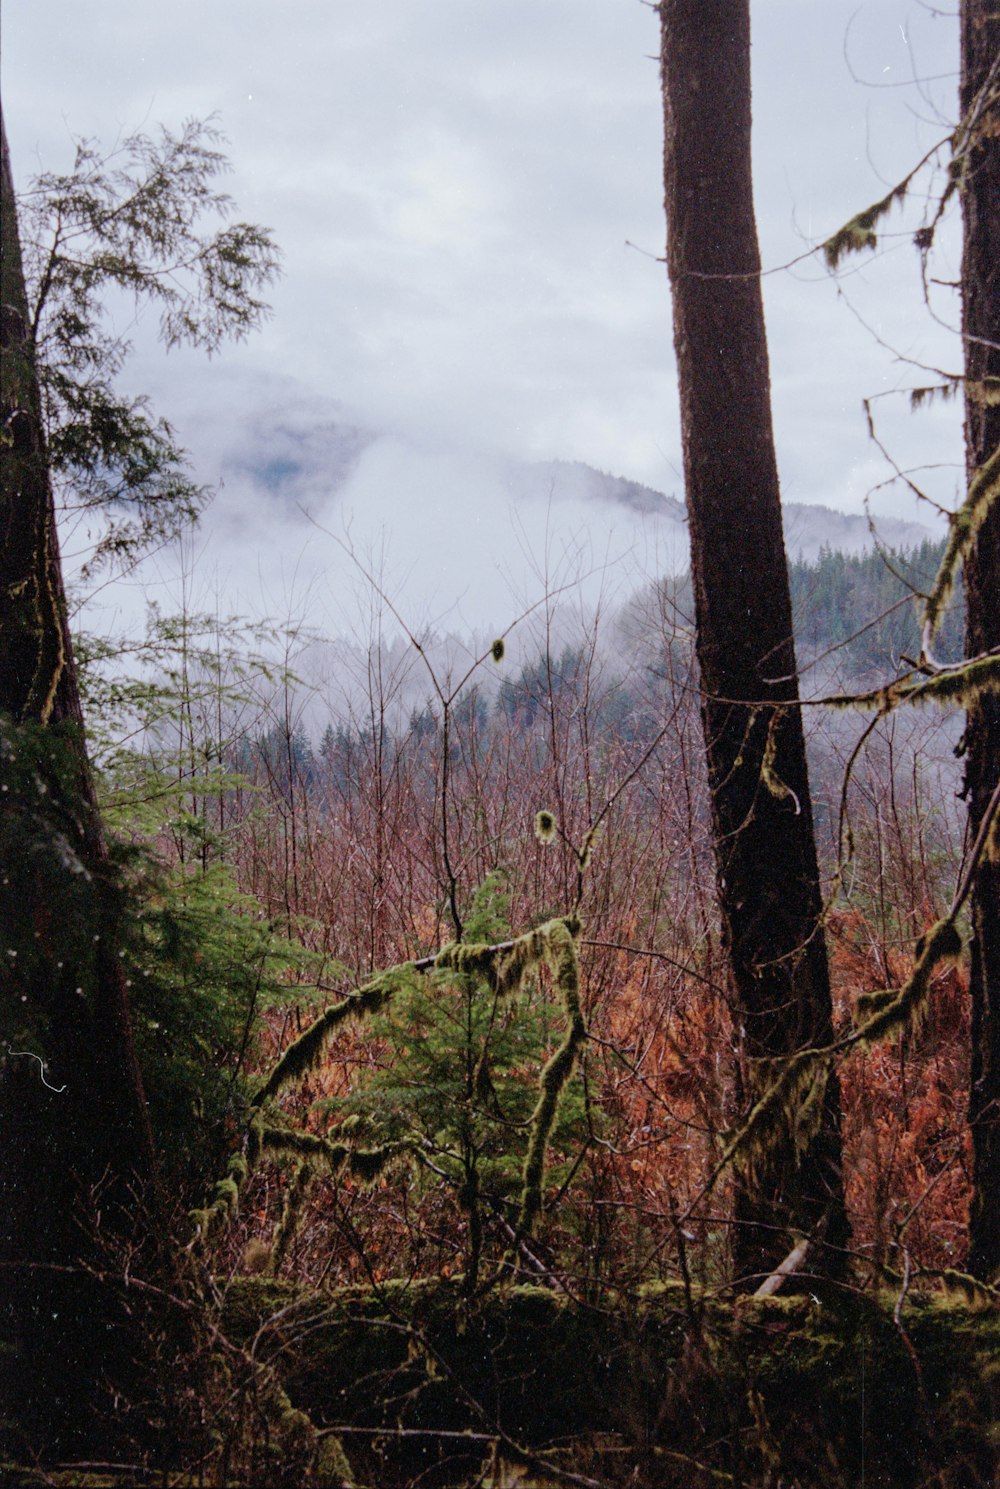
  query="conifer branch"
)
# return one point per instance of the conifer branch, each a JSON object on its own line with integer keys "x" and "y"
{"x": 504, "y": 965}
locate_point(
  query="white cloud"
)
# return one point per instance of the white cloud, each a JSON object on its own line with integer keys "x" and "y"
{"x": 453, "y": 184}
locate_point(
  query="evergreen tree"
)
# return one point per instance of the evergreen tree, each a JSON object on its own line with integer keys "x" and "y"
{"x": 455, "y": 1082}
{"x": 863, "y": 607}
{"x": 137, "y": 221}
{"x": 78, "y": 1200}
{"x": 77, "y": 1140}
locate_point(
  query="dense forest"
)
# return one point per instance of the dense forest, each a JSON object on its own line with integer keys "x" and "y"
{"x": 425, "y": 1067}
{"x": 860, "y": 610}
{"x": 276, "y": 862}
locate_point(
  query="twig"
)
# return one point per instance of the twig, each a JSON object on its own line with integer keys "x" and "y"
{"x": 792, "y": 1263}
{"x": 897, "y": 1318}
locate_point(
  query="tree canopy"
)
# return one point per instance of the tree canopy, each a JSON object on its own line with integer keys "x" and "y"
{"x": 145, "y": 226}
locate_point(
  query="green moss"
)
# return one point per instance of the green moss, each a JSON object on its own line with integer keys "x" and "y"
{"x": 984, "y": 489}
{"x": 817, "y": 1386}
{"x": 859, "y": 233}
{"x": 545, "y": 827}
{"x": 561, "y": 952}
{"x": 305, "y": 1052}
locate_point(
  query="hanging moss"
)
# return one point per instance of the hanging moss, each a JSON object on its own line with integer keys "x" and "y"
{"x": 304, "y": 1053}
{"x": 968, "y": 1290}
{"x": 227, "y": 1196}
{"x": 288, "y": 1224}
{"x": 809, "y": 1116}
{"x": 859, "y": 233}
{"x": 254, "y": 1139}
{"x": 792, "y": 1100}
{"x": 878, "y": 1018}
{"x": 367, "y": 1164}
{"x": 561, "y": 950}
{"x": 239, "y": 1168}
{"x": 472, "y": 959}
{"x": 220, "y": 1210}
{"x": 984, "y": 489}
{"x": 504, "y": 966}
{"x": 584, "y": 855}
{"x": 364, "y": 1163}
{"x": 769, "y": 775}
{"x": 991, "y": 850}
{"x": 295, "y": 1140}
{"x": 545, "y": 827}
{"x": 928, "y": 394}
{"x": 511, "y": 967}
{"x": 960, "y": 685}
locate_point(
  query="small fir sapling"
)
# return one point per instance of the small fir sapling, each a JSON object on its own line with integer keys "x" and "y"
{"x": 455, "y": 1089}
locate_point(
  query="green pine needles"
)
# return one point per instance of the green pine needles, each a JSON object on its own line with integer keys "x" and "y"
{"x": 147, "y": 221}
{"x": 452, "y": 1092}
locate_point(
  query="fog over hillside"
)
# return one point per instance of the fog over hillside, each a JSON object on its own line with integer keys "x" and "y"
{"x": 461, "y": 542}
{"x": 462, "y": 539}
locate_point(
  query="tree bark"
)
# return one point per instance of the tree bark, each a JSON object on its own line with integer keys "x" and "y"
{"x": 980, "y": 96}
{"x": 76, "y": 1162}
{"x": 768, "y": 880}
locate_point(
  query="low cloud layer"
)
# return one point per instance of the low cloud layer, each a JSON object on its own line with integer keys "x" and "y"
{"x": 455, "y": 187}
{"x": 322, "y": 522}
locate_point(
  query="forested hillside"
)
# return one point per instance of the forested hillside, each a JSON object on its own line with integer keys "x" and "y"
{"x": 862, "y": 610}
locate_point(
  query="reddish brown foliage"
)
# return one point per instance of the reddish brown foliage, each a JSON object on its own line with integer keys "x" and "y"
{"x": 354, "y": 858}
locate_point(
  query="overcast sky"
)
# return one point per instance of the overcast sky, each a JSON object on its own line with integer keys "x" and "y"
{"x": 454, "y": 184}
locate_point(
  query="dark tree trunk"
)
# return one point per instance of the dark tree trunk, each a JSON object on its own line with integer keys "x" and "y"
{"x": 762, "y": 823}
{"x": 980, "y": 42}
{"x": 76, "y": 1162}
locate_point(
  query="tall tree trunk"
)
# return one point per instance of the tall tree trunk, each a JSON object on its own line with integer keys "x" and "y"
{"x": 76, "y": 1162}
{"x": 980, "y": 92}
{"x": 762, "y": 821}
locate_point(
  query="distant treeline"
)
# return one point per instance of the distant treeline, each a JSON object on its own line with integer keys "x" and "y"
{"x": 863, "y": 605}
{"x": 859, "y": 612}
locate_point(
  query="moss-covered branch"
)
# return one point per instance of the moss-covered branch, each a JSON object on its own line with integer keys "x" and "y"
{"x": 793, "y": 1096}
{"x": 561, "y": 951}
{"x": 504, "y": 965}
{"x": 882, "y": 1014}
{"x": 859, "y": 233}
{"x": 958, "y": 685}
{"x": 964, "y": 524}
{"x": 304, "y": 1053}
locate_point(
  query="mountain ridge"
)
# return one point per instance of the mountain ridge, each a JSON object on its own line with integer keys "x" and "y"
{"x": 291, "y": 464}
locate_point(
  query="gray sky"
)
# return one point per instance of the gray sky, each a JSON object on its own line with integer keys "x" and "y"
{"x": 453, "y": 184}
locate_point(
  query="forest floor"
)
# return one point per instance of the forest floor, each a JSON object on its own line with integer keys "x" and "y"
{"x": 409, "y": 1383}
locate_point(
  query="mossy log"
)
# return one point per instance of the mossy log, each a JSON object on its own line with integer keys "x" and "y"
{"x": 527, "y": 1387}
{"x": 793, "y": 1389}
